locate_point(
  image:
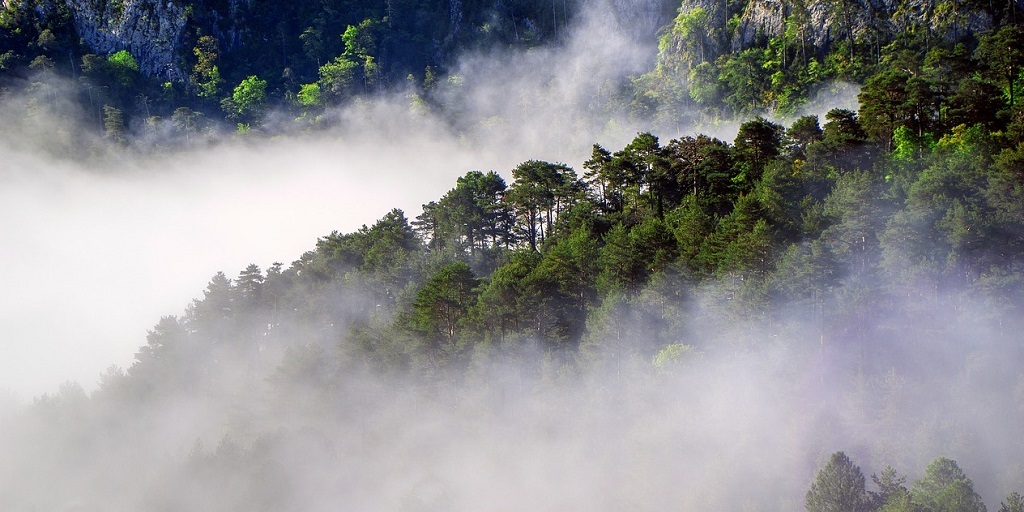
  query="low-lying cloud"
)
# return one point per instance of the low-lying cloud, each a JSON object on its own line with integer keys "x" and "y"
{"x": 101, "y": 242}
{"x": 97, "y": 248}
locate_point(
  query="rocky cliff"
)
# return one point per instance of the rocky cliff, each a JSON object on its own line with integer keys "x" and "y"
{"x": 643, "y": 17}
{"x": 150, "y": 30}
{"x": 823, "y": 23}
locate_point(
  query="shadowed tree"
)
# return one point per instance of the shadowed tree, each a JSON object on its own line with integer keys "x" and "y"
{"x": 645, "y": 167}
{"x": 801, "y": 134}
{"x": 974, "y": 101}
{"x": 212, "y": 317}
{"x": 843, "y": 143}
{"x": 757, "y": 142}
{"x": 745, "y": 79}
{"x": 598, "y": 179}
{"x": 471, "y": 216}
{"x": 882, "y": 104}
{"x": 427, "y": 225}
{"x": 561, "y": 287}
{"x": 1003, "y": 51}
{"x": 705, "y": 167}
{"x": 170, "y": 360}
{"x": 440, "y": 306}
{"x": 389, "y": 247}
{"x": 504, "y": 305}
{"x": 540, "y": 193}
{"x": 630, "y": 256}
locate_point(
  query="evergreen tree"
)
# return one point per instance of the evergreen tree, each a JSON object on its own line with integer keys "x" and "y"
{"x": 945, "y": 488}
{"x": 440, "y": 307}
{"x": 1013, "y": 503}
{"x": 839, "y": 487}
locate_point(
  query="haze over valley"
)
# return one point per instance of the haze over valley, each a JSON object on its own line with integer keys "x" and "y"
{"x": 516, "y": 255}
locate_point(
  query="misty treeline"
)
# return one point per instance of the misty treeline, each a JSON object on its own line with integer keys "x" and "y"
{"x": 653, "y": 238}
{"x": 840, "y": 485}
{"x": 690, "y": 311}
{"x": 688, "y": 323}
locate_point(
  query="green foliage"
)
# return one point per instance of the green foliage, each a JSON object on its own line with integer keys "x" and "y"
{"x": 704, "y": 73}
{"x": 704, "y": 86}
{"x": 757, "y": 143}
{"x": 1003, "y": 53}
{"x": 673, "y": 356}
{"x": 686, "y": 44}
{"x": 507, "y": 302}
{"x": 205, "y": 72}
{"x": 124, "y": 67}
{"x": 542, "y": 191}
{"x": 113, "y": 124}
{"x": 746, "y": 79}
{"x": 839, "y": 486}
{"x": 892, "y": 495}
{"x": 801, "y": 134}
{"x": 625, "y": 266}
{"x": 248, "y": 100}
{"x": 882, "y": 99}
{"x": 471, "y": 217}
{"x": 338, "y": 79}
{"x": 945, "y": 488}
{"x": 1013, "y": 503}
{"x": 356, "y": 70}
{"x": 630, "y": 256}
{"x": 309, "y": 96}
{"x": 705, "y": 168}
{"x": 565, "y": 283}
{"x": 691, "y": 223}
{"x": 440, "y": 308}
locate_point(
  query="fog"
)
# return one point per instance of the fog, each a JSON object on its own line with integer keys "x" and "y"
{"x": 95, "y": 256}
{"x": 96, "y": 249}
{"x": 99, "y": 246}
{"x": 724, "y": 428}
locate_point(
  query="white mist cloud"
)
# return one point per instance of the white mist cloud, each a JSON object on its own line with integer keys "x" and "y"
{"x": 831, "y": 95}
{"x": 97, "y": 248}
{"x": 95, "y": 257}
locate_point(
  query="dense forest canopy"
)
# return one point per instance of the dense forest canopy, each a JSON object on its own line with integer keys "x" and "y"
{"x": 675, "y": 322}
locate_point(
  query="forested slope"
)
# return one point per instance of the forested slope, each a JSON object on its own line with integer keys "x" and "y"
{"x": 685, "y": 323}
{"x": 147, "y": 73}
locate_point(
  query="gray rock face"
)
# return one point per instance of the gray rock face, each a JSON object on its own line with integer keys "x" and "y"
{"x": 829, "y": 21}
{"x": 643, "y": 17}
{"x": 150, "y": 30}
{"x": 823, "y": 23}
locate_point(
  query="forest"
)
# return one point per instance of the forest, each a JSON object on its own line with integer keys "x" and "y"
{"x": 677, "y": 323}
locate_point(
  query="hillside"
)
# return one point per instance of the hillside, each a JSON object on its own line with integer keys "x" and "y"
{"x": 183, "y": 72}
{"x": 693, "y": 322}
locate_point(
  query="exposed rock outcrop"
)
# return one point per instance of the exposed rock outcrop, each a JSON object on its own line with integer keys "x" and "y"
{"x": 151, "y": 30}
{"x": 825, "y": 22}
{"x": 642, "y": 17}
